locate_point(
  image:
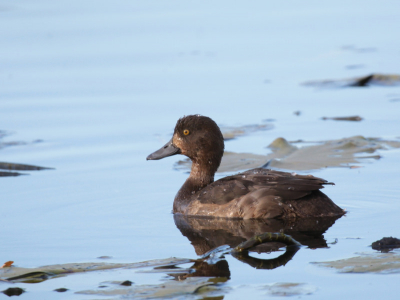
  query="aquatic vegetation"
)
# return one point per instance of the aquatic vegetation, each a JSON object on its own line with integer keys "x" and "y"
{"x": 9, "y": 167}
{"x": 369, "y": 80}
{"x": 203, "y": 273}
{"x": 346, "y": 152}
{"x": 386, "y": 244}
{"x": 366, "y": 263}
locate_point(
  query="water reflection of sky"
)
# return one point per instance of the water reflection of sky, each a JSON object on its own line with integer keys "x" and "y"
{"x": 102, "y": 84}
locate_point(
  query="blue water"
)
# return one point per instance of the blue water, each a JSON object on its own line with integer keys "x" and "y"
{"x": 102, "y": 85}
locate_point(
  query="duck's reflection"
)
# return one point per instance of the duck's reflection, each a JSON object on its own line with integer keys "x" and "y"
{"x": 267, "y": 264}
{"x": 206, "y": 234}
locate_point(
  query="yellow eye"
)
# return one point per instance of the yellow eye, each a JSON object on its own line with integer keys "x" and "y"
{"x": 186, "y": 132}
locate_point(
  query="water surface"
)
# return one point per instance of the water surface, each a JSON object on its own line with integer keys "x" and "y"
{"x": 102, "y": 85}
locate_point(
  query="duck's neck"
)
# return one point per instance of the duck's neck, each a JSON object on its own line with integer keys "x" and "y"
{"x": 201, "y": 175}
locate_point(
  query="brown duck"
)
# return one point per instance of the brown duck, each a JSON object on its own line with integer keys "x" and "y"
{"x": 254, "y": 194}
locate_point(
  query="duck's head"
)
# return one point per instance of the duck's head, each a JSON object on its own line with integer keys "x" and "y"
{"x": 197, "y": 137}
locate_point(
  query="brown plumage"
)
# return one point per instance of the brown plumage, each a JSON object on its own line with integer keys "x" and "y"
{"x": 254, "y": 194}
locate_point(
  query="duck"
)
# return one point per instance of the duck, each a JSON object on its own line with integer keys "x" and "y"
{"x": 254, "y": 194}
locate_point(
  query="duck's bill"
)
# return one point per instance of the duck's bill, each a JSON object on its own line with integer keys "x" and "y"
{"x": 168, "y": 149}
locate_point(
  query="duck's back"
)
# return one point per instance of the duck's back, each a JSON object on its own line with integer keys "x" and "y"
{"x": 263, "y": 193}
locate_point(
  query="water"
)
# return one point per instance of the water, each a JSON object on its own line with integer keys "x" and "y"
{"x": 102, "y": 85}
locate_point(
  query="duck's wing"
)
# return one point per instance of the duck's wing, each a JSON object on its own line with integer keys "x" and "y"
{"x": 286, "y": 186}
{"x": 224, "y": 190}
{"x": 267, "y": 194}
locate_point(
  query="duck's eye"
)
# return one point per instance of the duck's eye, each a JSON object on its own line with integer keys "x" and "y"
{"x": 186, "y": 132}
